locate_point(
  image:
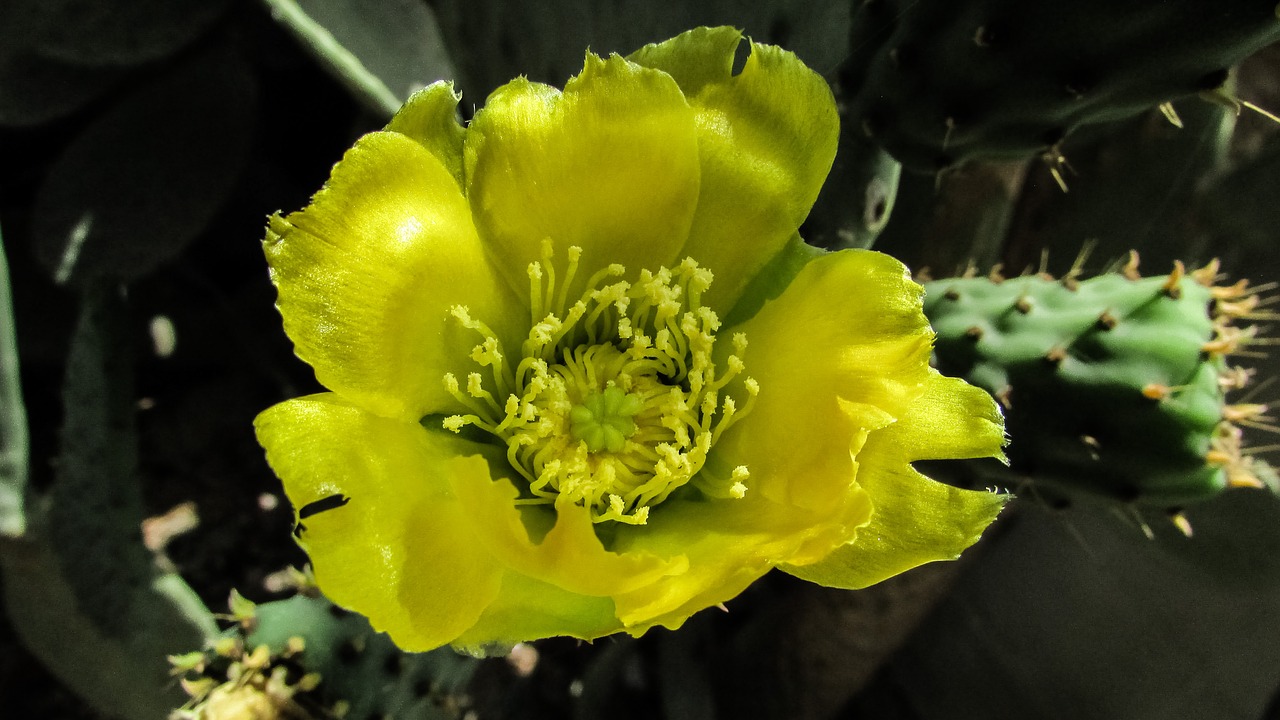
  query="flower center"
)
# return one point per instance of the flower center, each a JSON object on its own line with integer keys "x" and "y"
{"x": 614, "y": 401}
{"x": 604, "y": 420}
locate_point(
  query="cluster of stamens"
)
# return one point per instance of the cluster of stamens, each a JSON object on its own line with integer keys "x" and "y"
{"x": 615, "y": 400}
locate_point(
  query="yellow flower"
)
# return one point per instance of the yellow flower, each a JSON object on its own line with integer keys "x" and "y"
{"x": 585, "y": 376}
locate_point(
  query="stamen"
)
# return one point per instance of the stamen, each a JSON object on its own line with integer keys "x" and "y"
{"x": 548, "y": 257}
{"x": 615, "y": 402}
{"x": 536, "y": 305}
{"x": 575, "y": 253}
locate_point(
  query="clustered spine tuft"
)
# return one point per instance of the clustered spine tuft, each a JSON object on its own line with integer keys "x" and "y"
{"x": 304, "y": 658}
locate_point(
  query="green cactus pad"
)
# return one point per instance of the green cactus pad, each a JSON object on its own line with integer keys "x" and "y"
{"x": 1113, "y": 387}
{"x": 940, "y": 82}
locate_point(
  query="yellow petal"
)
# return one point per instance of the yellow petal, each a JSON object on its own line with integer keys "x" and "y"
{"x": 569, "y": 555}
{"x": 366, "y": 275}
{"x": 729, "y": 544}
{"x": 609, "y": 165}
{"x": 766, "y": 139}
{"x": 528, "y": 609}
{"x": 917, "y": 520}
{"x": 842, "y": 352}
{"x": 430, "y": 118}
{"x": 401, "y": 550}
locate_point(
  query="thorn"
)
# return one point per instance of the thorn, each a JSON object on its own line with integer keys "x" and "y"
{"x": 1225, "y": 452}
{"x": 1229, "y": 341}
{"x": 1023, "y": 305}
{"x": 1077, "y": 265}
{"x": 946, "y": 137}
{"x": 1242, "y": 308}
{"x": 973, "y": 333}
{"x": 1156, "y": 391}
{"x": 1236, "y": 291}
{"x": 1004, "y": 397}
{"x": 1171, "y": 286}
{"x": 1130, "y": 269}
{"x": 995, "y": 276}
{"x": 1093, "y": 446}
{"x": 1244, "y": 412}
{"x": 1146, "y": 529}
{"x": 1181, "y": 522}
{"x": 1235, "y": 378}
{"x": 1207, "y": 274}
{"x": 1054, "y": 159}
{"x": 1170, "y": 114}
{"x": 1107, "y": 321}
{"x": 1265, "y": 315}
{"x": 1056, "y": 355}
{"x": 1268, "y": 115}
{"x": 1242, "y": 478}
{"x": 1256, "y": 389}
{"x": 951, "y": 294}
{"x": 1057, "y": 177}
{"x": 1260, "y": 288}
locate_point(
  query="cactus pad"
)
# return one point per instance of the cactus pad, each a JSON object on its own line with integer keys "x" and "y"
{"x": 1113, "y": 387}
{"x": 940, "y": 82}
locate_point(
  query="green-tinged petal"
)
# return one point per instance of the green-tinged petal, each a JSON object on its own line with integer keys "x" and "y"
{"x": 366, "y": 275}
{"x": 430, "y": 118}
{"x": 841, "y": 352}
{"x": 527, "y": 609}
{"x": 766, "y": 138}
{"x": 729, "y": 543}
{"x": 609, "y": 165}
{"x": 569, "y": 555}
{"x": 402, "y": 549}
{"x": 952, "y": 420}
{"x": 917, "y": 520}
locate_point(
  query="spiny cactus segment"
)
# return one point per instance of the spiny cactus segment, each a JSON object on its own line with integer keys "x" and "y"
{"x": 941, "y": 82}
{"x": 304, "y": 658}
{"x": 1113, "y": 387}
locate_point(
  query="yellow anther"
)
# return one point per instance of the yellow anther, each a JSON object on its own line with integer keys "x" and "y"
{"x": 615, "y": 401}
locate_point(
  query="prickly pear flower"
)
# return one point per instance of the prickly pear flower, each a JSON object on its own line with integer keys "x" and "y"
{"x": 585, "y": 376}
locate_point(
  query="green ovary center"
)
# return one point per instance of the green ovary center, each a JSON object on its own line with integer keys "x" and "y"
{"x": 614, "y": 400}
{"x": 604, "y": 420}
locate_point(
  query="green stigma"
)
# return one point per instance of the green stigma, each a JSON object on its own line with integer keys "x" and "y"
{"x": 604, "y": 420}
